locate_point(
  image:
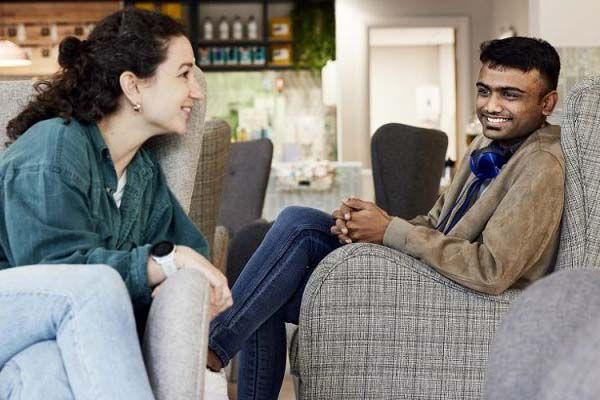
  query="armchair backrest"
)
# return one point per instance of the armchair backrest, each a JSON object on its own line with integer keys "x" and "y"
{"x": 178, "y": 155}
{"x": 580, "y": 140}
{"x": 208, "y": 188}
{"x": 408, "y": 162}
{"x": 14, "y": 95}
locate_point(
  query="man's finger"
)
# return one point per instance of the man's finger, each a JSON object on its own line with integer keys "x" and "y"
{"x": 346, "y": 212}
{"x": 337, "y": 214}
{"x": 341, "y": 225}
{"x": 357, "y": 204}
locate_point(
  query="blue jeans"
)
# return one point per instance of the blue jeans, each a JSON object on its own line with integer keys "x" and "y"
{"x": 68, "y": 332}
{"x": 266, "y": 295}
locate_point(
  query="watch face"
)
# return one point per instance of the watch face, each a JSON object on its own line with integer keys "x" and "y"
{"x": 162, "y": 249}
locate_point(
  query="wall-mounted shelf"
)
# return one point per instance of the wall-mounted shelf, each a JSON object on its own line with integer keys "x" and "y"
{"x": 196, "y": 10}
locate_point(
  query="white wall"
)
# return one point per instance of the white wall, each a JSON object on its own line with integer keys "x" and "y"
{"x": 513, "y": 13}
{"x": 572, "y": 23}
{"x": 395, "y": 75}
{"x": 353, "y": 17}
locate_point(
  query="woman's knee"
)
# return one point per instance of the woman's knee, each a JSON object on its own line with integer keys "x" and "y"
{"x": 102, "y": 284}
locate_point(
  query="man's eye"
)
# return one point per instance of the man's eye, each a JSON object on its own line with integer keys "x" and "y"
{"x": 482, "y": 92}
{"x": 511, "y": 95}
{"x": 185, "y": 74}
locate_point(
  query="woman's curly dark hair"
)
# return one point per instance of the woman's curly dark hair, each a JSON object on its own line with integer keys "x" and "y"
{"x": 87, "y": 86}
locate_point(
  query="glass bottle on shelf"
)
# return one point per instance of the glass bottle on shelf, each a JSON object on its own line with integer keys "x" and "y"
{"x": 237, "y": 28}
{"x": 223, "y": 29}
{"x": 252, "y": 28}
{"x": 207, "y": 29}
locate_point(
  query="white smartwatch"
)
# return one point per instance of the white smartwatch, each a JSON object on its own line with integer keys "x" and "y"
{"x": 164, "y": 255}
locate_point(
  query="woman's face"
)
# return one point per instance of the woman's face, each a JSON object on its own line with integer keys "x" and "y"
{"x": 168, "y": 98}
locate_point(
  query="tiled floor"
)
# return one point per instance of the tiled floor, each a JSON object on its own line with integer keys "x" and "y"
{"x": 287, "y": 391}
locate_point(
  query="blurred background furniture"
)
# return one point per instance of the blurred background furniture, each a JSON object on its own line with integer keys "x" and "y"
{"x": 176, "y": 335}
{"x": 407, "y": 166}
{"x": 376, "y": 322}
{"x": 245, "y": 185}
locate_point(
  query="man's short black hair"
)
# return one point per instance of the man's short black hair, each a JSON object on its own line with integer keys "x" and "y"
{"x": 525, "y": 54}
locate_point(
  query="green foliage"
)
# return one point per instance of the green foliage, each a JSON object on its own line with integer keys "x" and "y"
{"x": 313, "y": 27}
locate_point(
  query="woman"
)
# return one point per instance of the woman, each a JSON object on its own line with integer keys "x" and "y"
{"x": 77, "y": 185}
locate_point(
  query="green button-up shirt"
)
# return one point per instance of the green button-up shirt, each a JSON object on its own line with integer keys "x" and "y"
{"x": 57, "y": 206}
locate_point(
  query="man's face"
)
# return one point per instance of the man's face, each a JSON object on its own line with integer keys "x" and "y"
{"x": 511, "y": 103}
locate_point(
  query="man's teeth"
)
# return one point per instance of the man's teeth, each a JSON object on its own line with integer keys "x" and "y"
{"x": 187, "y": 109}
{"x": 497, "y": 120}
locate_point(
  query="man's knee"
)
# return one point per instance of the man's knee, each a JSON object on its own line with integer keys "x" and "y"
{"x": 296, "y": 215}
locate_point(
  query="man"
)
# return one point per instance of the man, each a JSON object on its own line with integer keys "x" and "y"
{"x": 496, "y": 227}
{"x": 510, "y": 237}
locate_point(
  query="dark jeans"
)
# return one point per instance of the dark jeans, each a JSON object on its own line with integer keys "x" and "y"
{"x": 267, "y": 295}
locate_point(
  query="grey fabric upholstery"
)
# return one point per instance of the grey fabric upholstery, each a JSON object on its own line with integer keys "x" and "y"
{"x": 208, "y": 189}
{"x": 179, "y": 157}
{"x": 175, "y": 346}
{"x": 580, "y": 141}
{"x": 376, "y": 323}
{"x": 407, "y": 166}
{"x": 548, "y": 347}
{"x": 245, "y": 184}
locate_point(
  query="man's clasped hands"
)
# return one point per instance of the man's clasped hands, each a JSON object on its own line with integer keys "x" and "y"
{"x": 359, "y": 221}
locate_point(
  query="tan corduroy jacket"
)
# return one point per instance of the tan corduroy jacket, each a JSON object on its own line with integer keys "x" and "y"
{"x": 509, "y": 237}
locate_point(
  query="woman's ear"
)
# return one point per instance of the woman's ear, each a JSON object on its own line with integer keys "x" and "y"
{"x": 129, "y": 86}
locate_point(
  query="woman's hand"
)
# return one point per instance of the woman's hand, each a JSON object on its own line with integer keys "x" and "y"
{"x": 220, "y": 295}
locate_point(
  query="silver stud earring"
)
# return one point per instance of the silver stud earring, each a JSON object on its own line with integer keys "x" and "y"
{"x": 137, "y": 107}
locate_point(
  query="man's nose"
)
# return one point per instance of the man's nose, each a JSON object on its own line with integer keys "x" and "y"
{"x": 493, "y": 104}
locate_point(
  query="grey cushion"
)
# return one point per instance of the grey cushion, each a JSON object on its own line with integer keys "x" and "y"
{"x": 548, "y": 347}
{"x": 407, "y": 166}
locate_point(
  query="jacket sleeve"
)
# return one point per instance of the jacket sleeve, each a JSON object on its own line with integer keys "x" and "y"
{"x": 50, "y": 221}
{"x": 431, "y": 219}
{"x": 514, "y": 239}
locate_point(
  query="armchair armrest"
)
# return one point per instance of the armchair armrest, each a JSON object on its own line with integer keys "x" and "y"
{"x": 176, "y": 337}
{"x": 376, "y": 323}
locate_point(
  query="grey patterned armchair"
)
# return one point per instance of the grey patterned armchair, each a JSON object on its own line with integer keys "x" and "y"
{"x": 378, "y": 324}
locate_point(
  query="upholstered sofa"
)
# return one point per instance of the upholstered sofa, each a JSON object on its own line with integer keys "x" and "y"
{"x": 176, "y": 335}
{"x": 378, "y": 324}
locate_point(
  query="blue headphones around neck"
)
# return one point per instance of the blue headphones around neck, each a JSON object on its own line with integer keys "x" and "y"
{"x": 487, "y": 162}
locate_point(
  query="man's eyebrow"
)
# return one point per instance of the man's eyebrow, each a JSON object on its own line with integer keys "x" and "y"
{"x": 503, "y": 88}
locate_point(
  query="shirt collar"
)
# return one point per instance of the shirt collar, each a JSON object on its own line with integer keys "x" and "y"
{"x": 98, "y": 141}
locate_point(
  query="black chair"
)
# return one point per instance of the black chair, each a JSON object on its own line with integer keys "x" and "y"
{"x": 408, "y": 163}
